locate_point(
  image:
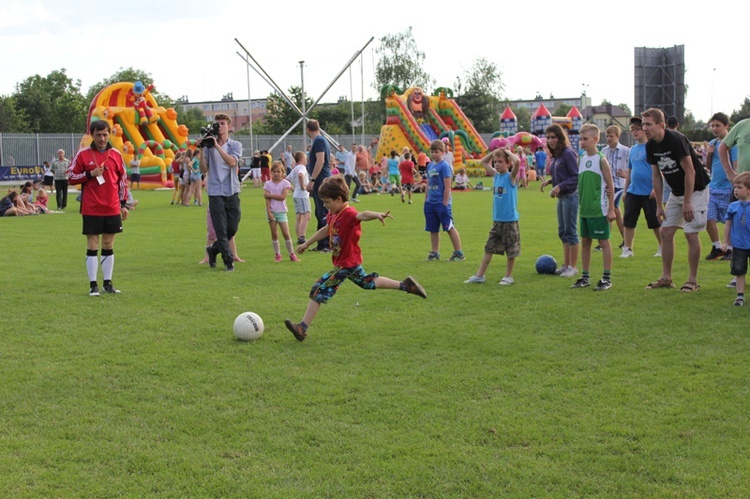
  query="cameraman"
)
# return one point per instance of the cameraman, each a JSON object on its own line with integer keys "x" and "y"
{"x": 219, "y": 158}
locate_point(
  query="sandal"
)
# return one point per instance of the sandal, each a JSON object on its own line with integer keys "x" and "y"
{"x": 661, "y": 283}
{"x": 690, "y": 287}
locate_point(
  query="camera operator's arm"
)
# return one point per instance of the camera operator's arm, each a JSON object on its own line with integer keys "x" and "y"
{"x": 231, "y": 158}
{"x": 203, "y": 163}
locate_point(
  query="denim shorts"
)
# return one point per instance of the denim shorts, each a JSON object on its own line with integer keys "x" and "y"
{"x": 567, "y": 218}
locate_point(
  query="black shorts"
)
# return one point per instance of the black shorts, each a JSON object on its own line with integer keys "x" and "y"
{"x": 135, "y": 177}
{"x": 93, "y": 225}
{"x": 739, "y": 261}
{"x": 633, "y": 205}
{"x": 48, "y": 180}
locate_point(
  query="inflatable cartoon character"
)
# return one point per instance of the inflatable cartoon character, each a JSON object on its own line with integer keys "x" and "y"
{"x": 417, "y": 103}
{"x": 137, "y": 98}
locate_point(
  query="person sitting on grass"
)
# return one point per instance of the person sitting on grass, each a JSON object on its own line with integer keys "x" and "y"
{"x": 462, "y": 182}
{"x": 343, "y": 229}
{"x": 504, "y": 236}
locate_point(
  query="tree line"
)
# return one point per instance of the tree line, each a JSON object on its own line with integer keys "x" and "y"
{"x": 55, "y": 103}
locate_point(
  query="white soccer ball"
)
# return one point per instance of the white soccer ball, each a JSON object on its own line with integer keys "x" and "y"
{"x": 248, "y": 326}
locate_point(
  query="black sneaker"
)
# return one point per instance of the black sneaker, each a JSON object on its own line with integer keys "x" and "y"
{"x": 739, "y": 301}
{"x": 603, "y": 285}
{"x": 414, "y": 288}
{"x": 212, "y": 254}
{"x": 598, "y": 247}
{"x": 622, "y": 244}
{"x": 581, "y": 283}
{"x": 94, "y": 291}
{"x": 229, "y": 266}
{"x": 727, "y": 255}
{"x": 109, "y": 288}
{"x": 296, "y": 330}
{"x": 715, "y": 253}
{"x": 433, "y": 256}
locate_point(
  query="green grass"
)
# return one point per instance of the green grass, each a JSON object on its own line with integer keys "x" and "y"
{"x": 480, "y": 391}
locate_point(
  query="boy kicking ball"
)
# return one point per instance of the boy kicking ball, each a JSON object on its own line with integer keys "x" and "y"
{"x": 343, "y": 230}
{"x": 596, "y": 208}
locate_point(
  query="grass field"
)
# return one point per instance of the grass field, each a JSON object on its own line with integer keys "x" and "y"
{"x": 532, "y": 390}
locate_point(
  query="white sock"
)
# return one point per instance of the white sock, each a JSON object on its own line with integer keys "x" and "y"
{"x": 92, "y": 265}
{"x": 276, "y": 247}
{"x": 289, "y": 246}
{"x": 717, "y": 244}
{"x": 108, "y": 264}
{"x": 625, "y": 249}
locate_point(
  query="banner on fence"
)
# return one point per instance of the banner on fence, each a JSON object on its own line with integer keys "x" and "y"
{"x": 20, "y": 173}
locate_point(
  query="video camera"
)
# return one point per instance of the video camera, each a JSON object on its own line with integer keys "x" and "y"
{"x": 209, "y": 134}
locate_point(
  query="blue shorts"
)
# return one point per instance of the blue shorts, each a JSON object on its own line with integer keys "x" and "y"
{"x": 436, "y": 216}
{"x": 718, "y": 202}
{"x": 618, "y": 196}
{"x": 325, "y": 287}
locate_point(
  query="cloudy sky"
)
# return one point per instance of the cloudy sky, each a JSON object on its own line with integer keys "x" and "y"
{"x": 547, "y": 47}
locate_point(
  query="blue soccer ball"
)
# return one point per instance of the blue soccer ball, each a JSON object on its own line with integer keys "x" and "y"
{"x": 546, "y": 264}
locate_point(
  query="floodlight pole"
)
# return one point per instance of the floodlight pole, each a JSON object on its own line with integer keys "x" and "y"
{"x": 304, "y": 111}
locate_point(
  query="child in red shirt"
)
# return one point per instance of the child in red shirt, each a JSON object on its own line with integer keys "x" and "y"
{"x": 343, "y": 230}
{"x": 406, "y": 167}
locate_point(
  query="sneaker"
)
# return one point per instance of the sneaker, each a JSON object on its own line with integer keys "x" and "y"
{"x": 658, "y": 253}
{"x": 621, "y": 245}
{"x": 506, "y": 281}
{"x": 301, "y": 240}
{"x": 727, "y": 255}
{"x": 560, "y": 270}
{"x": 581, "y": 283}
{"x": 212, "y": 254}
{"x": 598, "y": 247}
{"x": 457, "y": 257}
{"x": 603, "y": 285}
{"x": 229, "y": 266}
{"x": 739, "y": 301}
{"x": 433, "y": 256}
{"x": 715, "y": 253}
{"x": 278, "y": 257}
{"x": 296, "y": 330}
{"x": 293, "y": 257}
{"x": 94, "y": 291}
{"x": 109, "y": 288}
{"x": 355, "y": 200}
{"x": 475, "y": 279}
{"x": 627, "y": 253}
{"x": 569, "y": 272}
{"x": 732, "y": 283}
{"x": 414, "y": 288}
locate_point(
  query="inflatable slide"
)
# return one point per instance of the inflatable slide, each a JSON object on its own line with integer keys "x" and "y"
{"x": 140, "y": 128}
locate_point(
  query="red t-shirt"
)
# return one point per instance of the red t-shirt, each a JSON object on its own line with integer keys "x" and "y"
{"x": 407, "y": 172}
{"x": 100, "y": 199}
{"x": 344, "y": 230}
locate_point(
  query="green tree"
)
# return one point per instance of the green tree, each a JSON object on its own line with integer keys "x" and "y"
{"x": 192, "y": 118}
{"x": 562, "y": 110}
{"x": 52, "y": 103}
{"x": 481, "y": 99}
{"x": 625, "y": 108}
{"x": 743, "y": 112}
{"x": 12, "y": 119}
{"x": 335, "y": 118}
{"x": 280, "y": 115}
{"x": 400, "y": 62}
{"x": 131, "y": 75}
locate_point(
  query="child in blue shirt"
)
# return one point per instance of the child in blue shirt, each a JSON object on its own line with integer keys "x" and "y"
{"x": 437, "y": 204}
{"x": 737, "y": 232}
{"x": 504, "y": 236}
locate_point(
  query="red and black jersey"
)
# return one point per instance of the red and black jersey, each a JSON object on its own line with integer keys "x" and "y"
{"x": 98, "y": 199}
